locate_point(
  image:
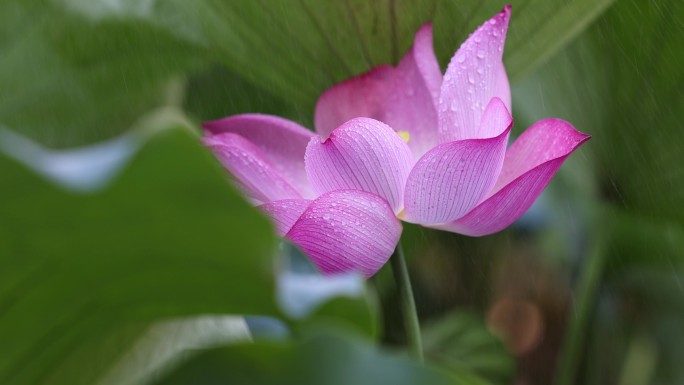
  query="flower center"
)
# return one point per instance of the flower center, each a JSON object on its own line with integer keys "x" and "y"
{"x": 404, "y": 135}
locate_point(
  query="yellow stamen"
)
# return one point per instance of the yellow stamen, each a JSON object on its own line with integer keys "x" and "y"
{"x": 401, "y": 215}
{"x": 404, "y": 135}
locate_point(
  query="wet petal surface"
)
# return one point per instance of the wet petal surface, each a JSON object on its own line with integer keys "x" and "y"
{"x": 347, "y": 231}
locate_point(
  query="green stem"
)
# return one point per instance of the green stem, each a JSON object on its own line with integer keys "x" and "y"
{"x": 408, "y": 304}
{"x": 588, "y": 284}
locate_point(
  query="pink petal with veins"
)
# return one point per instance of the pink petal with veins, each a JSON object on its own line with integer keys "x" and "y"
{"x": 347, "y": 231}
{"x": 252, "y": 171}
{"x": 283, "y": 142}
{"x": 285, "y": 213}
{"x": 404, "y": 97}
{"x": 503, "y": 88}
{"x": 361, "y": 96}
{"x": 475, "y": 75}
{"x": 530, "y": 163}
{"x": 362, "y": 154}
{"x": 452, "y": 178}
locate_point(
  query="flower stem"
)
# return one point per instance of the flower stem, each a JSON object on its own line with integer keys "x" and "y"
{"x": 587, "y": 286}
{"x": 408, "y": 304}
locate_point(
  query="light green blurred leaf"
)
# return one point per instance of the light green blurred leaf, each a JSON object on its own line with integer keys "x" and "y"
{"x": 67, "y": 81}
{"x": 169, "y": 342}
{"x": 90, "y": 271}
{"x": 321, "y": 359}
{"x": 84, "y": 274}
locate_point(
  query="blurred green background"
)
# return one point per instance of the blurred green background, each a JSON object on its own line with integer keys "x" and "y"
{"x": 585, "y": 289}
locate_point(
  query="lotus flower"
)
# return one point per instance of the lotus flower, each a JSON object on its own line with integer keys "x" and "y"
{"x": 397, "y": 143}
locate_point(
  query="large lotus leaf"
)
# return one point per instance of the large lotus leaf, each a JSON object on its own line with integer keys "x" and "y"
{"x": 85, "y": 272}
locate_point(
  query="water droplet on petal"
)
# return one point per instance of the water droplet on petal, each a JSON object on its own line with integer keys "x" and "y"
{"x": 454, "y": 105}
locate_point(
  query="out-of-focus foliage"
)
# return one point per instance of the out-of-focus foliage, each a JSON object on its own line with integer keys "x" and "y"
{"x": 322, "y": 358}
{"x": 622, "y": 82}
{"x": 90, "y": 271}
{"x": 167, "y": 238}
{"x": 84, "y": 274}
{"x": 462, "y": 343}
{"x": 66, "y": 80}
{"x": 96, "y": 65}
{"x": 643, "y": 293}
{"x": 330, "y": 300}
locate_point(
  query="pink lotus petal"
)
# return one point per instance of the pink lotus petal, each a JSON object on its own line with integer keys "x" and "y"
{"x": 404, "y": 97}
{"x": 503, "y": 88}
{"x": 347, "y": 230}
{"x": 285, "y": 213}
{"x": 496, "y": 118}
{"x": 422, "y": 54}
{"x": 545, "y": 140}
{"x": 253, "y": 173}
{"x": 453, "y": 177}
{"x": 362, "y": 154}
{"x": 361, "y": 96}
{"x": 283, "y": 142}
{"x": 474, "y": 76}
{"x": 530, "y": 164}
